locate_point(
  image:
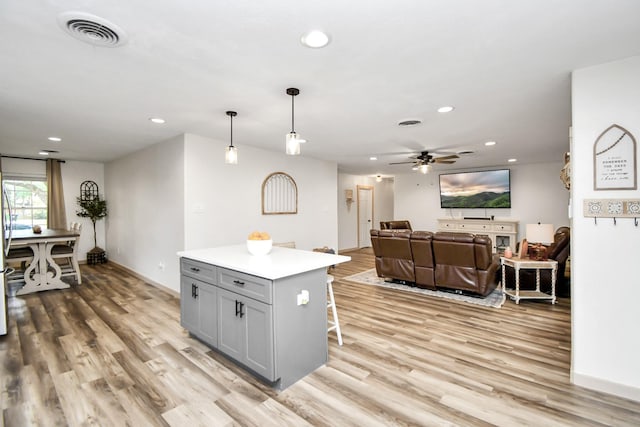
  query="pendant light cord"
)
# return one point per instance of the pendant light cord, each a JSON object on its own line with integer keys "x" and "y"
{"x": 231, "y": 130}
{"x": 292, "y": 116}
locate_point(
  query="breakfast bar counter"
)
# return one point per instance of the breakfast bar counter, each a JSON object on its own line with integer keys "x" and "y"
{"x": 268, "y": 313}
{"x": 279, "y": 263}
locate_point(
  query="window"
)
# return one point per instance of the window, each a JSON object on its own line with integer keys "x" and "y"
{"x": 28, "y": 201}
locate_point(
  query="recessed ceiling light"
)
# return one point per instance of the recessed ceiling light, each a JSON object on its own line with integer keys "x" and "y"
{"x": 489, "y": 143}
{"x": 54, "y": 139}
{"x": 47, "y": 152}
{"x": 373, "y": 158}
{"x": 315, "y": 39}
{"x": 445, "y": 109}
{"x": 410, "y": 122}
{"x": 157, "y": 120}
{"x": 512, "y": 160}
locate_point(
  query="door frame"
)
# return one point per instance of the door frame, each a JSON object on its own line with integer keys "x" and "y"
{"x": 358, "y": 188}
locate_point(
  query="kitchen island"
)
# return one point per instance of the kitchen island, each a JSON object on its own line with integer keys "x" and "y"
{"x": 268, "y": 313}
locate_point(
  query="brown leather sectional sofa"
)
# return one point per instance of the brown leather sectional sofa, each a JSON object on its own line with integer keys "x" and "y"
{"x": 462, "y": 262}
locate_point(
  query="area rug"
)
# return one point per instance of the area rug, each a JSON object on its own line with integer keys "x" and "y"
{"x": 369, "y": 277}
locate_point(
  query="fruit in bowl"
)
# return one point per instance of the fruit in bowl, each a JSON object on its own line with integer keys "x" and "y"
{"x": 259, "y": 243}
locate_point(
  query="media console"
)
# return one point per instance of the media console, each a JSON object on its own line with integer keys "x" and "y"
{"x": 503, "y": 232}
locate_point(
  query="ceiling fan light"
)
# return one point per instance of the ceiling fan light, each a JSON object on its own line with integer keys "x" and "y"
{"x": 292, "y": 144}
{"x": 424, "y": 168}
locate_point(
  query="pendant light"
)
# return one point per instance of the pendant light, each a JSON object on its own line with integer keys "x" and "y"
{"x": 293, "y": 140}
{"x": 231, "y": 152}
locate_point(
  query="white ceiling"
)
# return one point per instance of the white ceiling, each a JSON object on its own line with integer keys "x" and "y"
{"x": 505, "y": 65}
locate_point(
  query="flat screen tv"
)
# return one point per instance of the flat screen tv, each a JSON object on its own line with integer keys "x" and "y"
{"x": 483, "y": 189}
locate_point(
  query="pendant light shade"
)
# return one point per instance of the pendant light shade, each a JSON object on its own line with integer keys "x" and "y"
{"x": 293, "y": 144}
{"x": 293, "y": 140}
{"x": 231, "y": 152}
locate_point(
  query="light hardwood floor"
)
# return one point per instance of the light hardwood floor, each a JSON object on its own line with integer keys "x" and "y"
{"x": 112, "y": 352}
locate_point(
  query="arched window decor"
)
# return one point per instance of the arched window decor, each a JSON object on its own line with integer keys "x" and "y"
{"x": 88, "y": 190}
{"x": 279, "y": 194}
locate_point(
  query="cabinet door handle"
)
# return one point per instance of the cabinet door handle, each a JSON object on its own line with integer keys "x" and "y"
{"x": 194, "y": 290}
{"x": 238, "y": 282}
{"x": 196, "y": 269}
{"x": 241, "y": 312}
{"x": 237, "y": 307}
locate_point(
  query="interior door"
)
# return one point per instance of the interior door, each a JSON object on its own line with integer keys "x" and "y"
{"x": 365, "y": 215}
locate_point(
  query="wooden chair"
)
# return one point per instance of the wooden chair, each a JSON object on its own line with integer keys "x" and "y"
{"x": 335, "y": 323}
{"x": 18, "y": 254}
{"x": 68, "y": 253}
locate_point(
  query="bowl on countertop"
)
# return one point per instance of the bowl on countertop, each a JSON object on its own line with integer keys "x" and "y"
{"x": 259, "y": 247}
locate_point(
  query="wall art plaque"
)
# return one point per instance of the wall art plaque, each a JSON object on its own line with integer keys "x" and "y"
{"x": 614, "y": 160}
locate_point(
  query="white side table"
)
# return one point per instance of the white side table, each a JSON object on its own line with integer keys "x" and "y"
{"x": 525, "y": 263}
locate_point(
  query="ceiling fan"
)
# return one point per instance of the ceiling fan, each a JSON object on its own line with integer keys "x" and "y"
{"x": 423, "y": 161}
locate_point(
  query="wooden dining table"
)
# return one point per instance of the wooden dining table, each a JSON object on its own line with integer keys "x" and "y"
{"x": 43, "y": 273}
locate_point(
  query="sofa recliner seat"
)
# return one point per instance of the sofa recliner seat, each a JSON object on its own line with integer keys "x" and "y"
{"x": 465, "y": 262}
{"x": 396, "y": 258}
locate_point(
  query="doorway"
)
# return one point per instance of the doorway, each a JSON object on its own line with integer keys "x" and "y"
{"x": 365, "y": 215}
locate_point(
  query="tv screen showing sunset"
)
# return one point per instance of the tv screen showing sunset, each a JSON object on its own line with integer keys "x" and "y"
{"x": 484, "y": 189}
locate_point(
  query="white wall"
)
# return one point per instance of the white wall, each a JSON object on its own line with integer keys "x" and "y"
{"x": 383, "y": 194}
{"x": 605, "y": 282}
{"x": 145, "y": 226}
{"x": 537, "y": 195}
{"x": 223, "y": 202}
{"x": 73, "y": 174}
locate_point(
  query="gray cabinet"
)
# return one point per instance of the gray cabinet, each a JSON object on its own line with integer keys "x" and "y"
{"x": 198, "y": 307}
{"x": 245, "y": 332}
{"x": 255, "y": 321}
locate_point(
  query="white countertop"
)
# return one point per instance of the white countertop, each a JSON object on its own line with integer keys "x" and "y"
{"x": 280, "y": 262}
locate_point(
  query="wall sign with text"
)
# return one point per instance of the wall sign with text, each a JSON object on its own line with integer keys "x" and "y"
{"x": 614, "y": 160}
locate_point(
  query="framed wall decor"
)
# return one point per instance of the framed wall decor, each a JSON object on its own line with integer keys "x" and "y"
{"x": 279, "y": 194}
{"x": 614, "y": 160}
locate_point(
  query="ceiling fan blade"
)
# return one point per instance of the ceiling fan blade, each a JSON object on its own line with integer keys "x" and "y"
{"x": 452, "y": 156}
{"x": 401, "y": 163}
{"x": 447, "y": 162}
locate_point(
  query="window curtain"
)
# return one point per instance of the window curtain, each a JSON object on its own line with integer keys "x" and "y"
{"x": 56, "y": 215}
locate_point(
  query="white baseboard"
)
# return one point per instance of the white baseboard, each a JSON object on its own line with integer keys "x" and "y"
{"x": 145, "y": 278}
{"x": 599, "y": 384}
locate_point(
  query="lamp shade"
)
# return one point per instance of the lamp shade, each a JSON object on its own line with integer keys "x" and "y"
{"x": 540, "y": 233}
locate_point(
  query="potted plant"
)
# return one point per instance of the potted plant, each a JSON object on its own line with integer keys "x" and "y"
{"x": 94, "y": 208}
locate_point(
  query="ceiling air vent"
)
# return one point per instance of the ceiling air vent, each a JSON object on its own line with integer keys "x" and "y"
{"x": 92, "y": 29}
{"x": 410, "y": 122}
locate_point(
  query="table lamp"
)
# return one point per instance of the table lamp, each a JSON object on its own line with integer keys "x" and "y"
{"x": 538, "y": 235}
